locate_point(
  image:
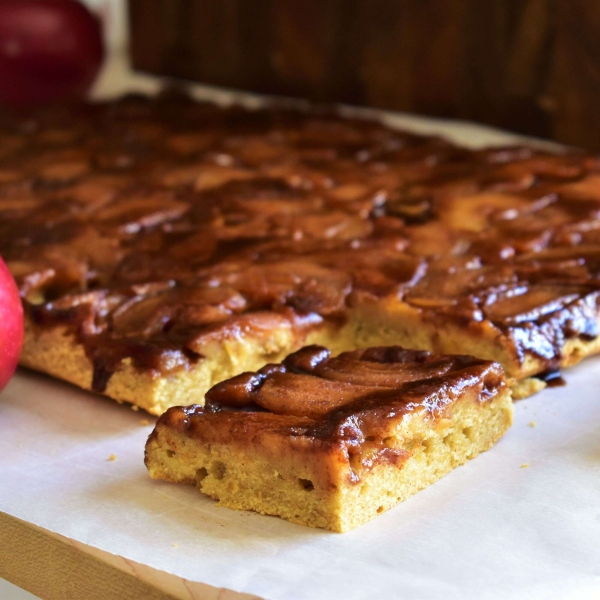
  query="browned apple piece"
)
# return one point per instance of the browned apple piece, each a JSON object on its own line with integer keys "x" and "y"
{"x": 349, "y": 192}
{"x": 203, "y": 306}
{"x": 142, "y": 317}
{"x": 180, "y": 308}
{"x": 585, "y": 188}
{"x": 423, "y": 302}
{"x": 579, "y": 253}
{"x": 58, "y": 136}
{"x": 10, "y": 143}
{"x": 190, "y": 143}
{"x": 91, "y": 309}
{"x": 65, "y": 171}
{"x": 68, "y": 273}
{"x": 96, "y": 190}
{"x": 522, "y": 237}
{"x": 214, "y": 176}
{"x": 523, "y": 304}
{"x": 130, "y": 215}
{"x": 15, "y": 206}
{"x": 383, "y": 368}
{"x": 257, "y": 151}
{"x": 138, "y": 267}
{"x": 196, "y": 248}
{"x": 305, "y": 286}
{"x": 302, "y": 396}
{"x": 32, "y": 277}
{"x": 376, "y": 266}
{"x": 259, "y": 325}
{"x": 474, "y": 213}
{"x": 444, "y": 288}
{"x": 326, "y": 225}
{"x": 264, "y": 196}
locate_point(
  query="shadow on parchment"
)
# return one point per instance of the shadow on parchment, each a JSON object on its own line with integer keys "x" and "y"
{"x": 182, "y": 510}
{"x": 39, "y": 401}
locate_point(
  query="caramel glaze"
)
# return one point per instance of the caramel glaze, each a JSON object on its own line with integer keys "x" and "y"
{"x": 346, "y": 404}
{"x": 148, "y": 227}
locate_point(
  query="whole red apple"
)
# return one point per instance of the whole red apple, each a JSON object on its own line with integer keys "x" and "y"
{"x": 50, "y": 51}
{"x": 11, "y": 325}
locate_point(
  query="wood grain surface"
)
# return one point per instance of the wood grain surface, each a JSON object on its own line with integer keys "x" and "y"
{"x": 531, "y": 66}
{"x": 54, "y": 567}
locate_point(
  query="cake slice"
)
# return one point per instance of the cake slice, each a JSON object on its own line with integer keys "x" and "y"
{"x": 331, "y": 442}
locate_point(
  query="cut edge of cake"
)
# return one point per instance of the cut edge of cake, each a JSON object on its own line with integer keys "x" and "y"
{"x": 56, "y": 351}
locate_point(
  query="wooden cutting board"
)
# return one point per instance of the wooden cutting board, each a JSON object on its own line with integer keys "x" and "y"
{"x": 54, "y": 567}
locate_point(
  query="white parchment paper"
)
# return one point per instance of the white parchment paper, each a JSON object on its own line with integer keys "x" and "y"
{"x": 491, "y": 529}
{"x": 494, "y": 529}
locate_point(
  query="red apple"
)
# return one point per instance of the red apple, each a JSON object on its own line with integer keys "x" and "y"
{"x": 11, "y": 325}
{"x": 50, "y": 51}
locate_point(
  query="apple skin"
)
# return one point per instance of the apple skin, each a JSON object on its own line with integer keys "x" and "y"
{"x": 11, "y": 325}
{"x": 50, "y": 51}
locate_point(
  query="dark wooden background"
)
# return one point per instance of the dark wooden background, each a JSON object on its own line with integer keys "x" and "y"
{"x": 527, "y": 65}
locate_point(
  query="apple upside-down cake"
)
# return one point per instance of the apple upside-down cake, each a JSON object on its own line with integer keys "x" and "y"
{"x": 163, "y": 245}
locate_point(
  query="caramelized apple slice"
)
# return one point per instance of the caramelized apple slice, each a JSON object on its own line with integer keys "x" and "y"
{"x": 307, "y": 396}
{"x": 178, "y": 308}
{"x": 258, "y": 325}
{"x": 305, "y": 286}
{"x": 130, "y": 215}
{"x": 474, "y": 213}
{"x": 390, "y": 371}
{"x": 530, "y": 303}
